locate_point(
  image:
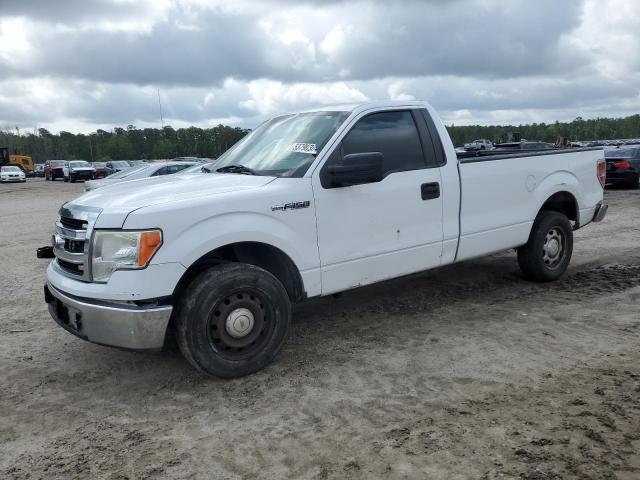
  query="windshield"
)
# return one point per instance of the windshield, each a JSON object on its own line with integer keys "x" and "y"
{"x": 128, "y": 172}
{"x": 284, "y": 146}
{"x": 79, "y": 164}
{"x": 56, "y": 163}
{"x": 11, "y": 169}
{"x": 622, "y": 153}
{"x": 99, "y": 164}
{"x": 120, "y": 164}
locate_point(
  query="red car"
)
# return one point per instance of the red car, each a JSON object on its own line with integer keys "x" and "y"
{"x": 101, "y": 169}
{"x": 53, "y": 169}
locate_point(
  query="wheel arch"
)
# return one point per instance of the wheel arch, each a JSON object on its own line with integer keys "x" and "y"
{"x": 563, "y": 202}
{"x": 560, "y": 192}
{"x": 259, "y": 254}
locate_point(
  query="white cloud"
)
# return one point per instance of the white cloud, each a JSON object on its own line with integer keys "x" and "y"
{"x": 268, "y": 97}
{"x": 99, "y": 62}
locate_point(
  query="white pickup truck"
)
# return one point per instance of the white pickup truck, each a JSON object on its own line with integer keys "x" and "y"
{"x": 308, "y": 204}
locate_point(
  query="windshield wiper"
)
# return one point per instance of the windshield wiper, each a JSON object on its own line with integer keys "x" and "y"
{"x": 235, "y": 168}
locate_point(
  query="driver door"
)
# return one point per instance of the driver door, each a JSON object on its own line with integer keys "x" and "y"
{"x": 375, "y": 231}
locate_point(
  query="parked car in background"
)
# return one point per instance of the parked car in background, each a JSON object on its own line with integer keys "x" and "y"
{"x": 39, "y": 172}
{"x": 192, "y": 159}
{"x": 518, "y": 147}
{"x": 100, "y": 168}
{"x": 200, "y": 168}
{"x": 481, "y": 144}
{"x": 75, "y": 170}
{"x": 116, "y": 166}
{"x": 53, "y": 169}
{"x": 537, "y": 146}
{"x": 136, "y": 173}
{"x": 12, "y": 173}
{"x": 136, "y": 163}
{"x": 623, "y": 166}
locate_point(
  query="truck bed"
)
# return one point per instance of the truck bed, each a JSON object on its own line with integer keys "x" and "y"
{"x": 487, "y": 156}
{"x": 500, "y": 199}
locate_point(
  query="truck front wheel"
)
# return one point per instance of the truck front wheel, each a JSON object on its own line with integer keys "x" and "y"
{"x": 546, "y": 255}
{"x": 232, "y": 320}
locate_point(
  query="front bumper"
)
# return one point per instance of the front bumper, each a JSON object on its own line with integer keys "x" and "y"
{"x": 120, "y": 325}
{"x": 83, "y": 174}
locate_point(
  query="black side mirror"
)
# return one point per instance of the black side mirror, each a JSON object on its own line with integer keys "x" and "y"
{"x": 357, "y": 168}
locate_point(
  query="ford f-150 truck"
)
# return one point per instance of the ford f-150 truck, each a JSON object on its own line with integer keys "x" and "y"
{"x": 308, "y": 204}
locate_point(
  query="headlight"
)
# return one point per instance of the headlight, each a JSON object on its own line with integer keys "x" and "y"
{"x": 122, "y": 250}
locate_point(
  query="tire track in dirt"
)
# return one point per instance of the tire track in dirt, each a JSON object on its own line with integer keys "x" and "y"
{"x": 592, "y": 431}
{"x": 429, "y": 293}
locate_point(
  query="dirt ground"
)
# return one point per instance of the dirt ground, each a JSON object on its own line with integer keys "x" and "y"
{"x": 466, "y": 372}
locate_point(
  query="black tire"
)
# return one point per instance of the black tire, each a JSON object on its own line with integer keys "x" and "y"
{"x": 204, "y": 327}
{"x": 46, "y": 177}
{"x": 536, "y": 259}
{"x": 73, "y": 178}
{"x": 66, "y": 179}
{"x": 635, "y": 185}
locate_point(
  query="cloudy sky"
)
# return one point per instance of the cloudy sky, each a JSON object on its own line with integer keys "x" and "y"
{"x": 78, "y": 65}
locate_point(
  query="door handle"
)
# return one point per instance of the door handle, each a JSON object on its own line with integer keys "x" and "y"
{"x": 430, "y": 191}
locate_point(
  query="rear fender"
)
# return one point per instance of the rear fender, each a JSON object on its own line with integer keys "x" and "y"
{"x": 559, "y": 181}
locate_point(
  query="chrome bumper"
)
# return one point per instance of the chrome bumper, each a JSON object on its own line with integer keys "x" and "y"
{"x": 116, "y": 325}
{"x": 601, "y": 212}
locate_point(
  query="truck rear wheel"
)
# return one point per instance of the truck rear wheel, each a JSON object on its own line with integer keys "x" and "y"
{"x": 232, "y": 320}
{"x": 546, "y": 255}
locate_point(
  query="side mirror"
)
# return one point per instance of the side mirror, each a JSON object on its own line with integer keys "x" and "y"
{"x": 357, "y": 168}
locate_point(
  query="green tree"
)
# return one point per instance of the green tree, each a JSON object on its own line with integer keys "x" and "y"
{"x": 118, "y": 147}
{"x": 164, "y": 148}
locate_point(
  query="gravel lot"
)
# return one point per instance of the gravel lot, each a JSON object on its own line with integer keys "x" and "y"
{"x": 464, "y": 372}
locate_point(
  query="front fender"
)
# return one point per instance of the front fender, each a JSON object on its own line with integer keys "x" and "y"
{"x": 225, "y": 229}
{"x": 296, "y": 239}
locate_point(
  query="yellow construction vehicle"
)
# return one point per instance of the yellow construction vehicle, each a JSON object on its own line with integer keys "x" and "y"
{"x": 25, "y": 162}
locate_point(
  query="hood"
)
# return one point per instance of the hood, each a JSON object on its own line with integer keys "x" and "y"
{"x": 134, "y": 194}
{"x": 82, "y": 168}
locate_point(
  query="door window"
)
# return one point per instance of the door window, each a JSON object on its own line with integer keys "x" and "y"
{"x": 394, "y": 134}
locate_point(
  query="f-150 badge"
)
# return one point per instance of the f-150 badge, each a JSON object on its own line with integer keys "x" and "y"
{"x": 291, "y": 206}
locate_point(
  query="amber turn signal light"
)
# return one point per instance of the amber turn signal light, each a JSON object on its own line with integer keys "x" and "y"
{"x": 150, "y": 242}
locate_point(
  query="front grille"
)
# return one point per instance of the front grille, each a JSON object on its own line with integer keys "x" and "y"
{"x": 74, "y": 246}
{"x": 73, "y": 231}
{"x": 74, "y": 268}
{"x": 73, "y": 223}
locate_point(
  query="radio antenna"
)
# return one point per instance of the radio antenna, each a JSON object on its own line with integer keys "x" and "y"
{"x": 160, "y": 105}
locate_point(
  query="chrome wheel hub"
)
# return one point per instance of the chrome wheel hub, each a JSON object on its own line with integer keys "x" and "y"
{"x": 239, "y": 322}
{"x": 553, "y": 248}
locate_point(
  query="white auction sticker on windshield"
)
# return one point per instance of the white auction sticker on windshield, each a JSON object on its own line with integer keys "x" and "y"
{"x": 303, "y": 148}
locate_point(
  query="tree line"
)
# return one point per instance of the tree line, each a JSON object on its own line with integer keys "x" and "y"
{"x": 577, "y": 130}
{"x": 128, "y": 143}
{"x": 131, "y": 143}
